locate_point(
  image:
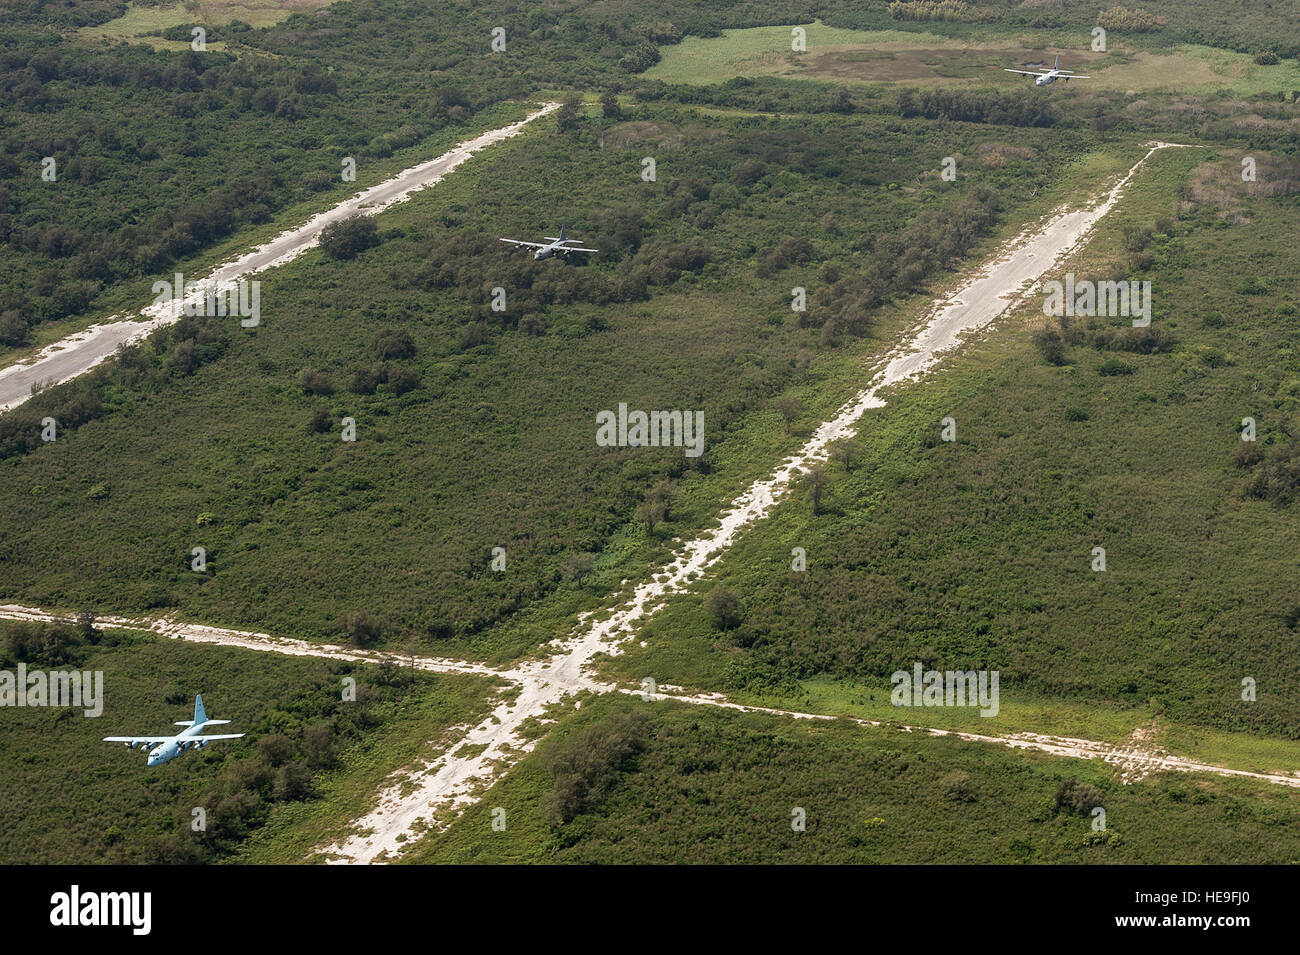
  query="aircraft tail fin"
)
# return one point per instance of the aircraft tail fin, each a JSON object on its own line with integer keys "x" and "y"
{"x": 561, "y": 231}
{"x": 1057, "y": 64}
{"x": 200, "y": 714}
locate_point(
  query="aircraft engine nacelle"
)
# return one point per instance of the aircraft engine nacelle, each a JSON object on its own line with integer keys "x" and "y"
{"x": 200, "y": 744}
{"x": 129, "y": 745}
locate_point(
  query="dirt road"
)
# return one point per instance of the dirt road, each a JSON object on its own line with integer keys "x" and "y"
{"x": 77, "y": 354}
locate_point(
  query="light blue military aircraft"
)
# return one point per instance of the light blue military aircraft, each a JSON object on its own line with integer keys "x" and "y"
{"x": 554, "y": 245}
{"x": 169, "y": 747}
{"x": 1052, "y": 75}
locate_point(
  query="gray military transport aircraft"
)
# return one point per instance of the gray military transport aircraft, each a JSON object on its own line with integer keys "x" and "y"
{"x": 554, "y": 245}
{"x": 169, "y": 747}
{"x": 1052, "y": 75}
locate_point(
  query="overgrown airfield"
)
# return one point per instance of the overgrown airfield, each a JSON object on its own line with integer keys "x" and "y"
{"x": 970, "y": 554}
{"x": 914, "y": 57}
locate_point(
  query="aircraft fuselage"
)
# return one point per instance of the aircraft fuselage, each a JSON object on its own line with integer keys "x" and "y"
{"x": 175, "y": 746}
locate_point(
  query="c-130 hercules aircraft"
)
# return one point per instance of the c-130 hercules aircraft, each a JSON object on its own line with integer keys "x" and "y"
{"x": 1052, "y": 75}
{"x": 169, "y": 747}
{"x": 554, "y": 245}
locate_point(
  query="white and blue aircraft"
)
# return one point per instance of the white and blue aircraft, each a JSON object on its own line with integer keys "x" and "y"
{"x": 1052, "y": 75}
{"x": 169, "y": 747}
{"x": 554, "y": 245}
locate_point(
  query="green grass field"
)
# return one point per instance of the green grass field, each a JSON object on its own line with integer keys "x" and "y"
{"x": 139, "y": 21}
{"x": 836, "y": 55}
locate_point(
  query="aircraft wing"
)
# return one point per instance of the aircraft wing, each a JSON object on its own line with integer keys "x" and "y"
{"x": 574, "y": 248}
{"x": 214, "y": 736}
{"x": 1025, "y": 72}
{"x": 1075, "y": 76}
{"x": 147, "y": 740}
{"x": 531, "y": 245}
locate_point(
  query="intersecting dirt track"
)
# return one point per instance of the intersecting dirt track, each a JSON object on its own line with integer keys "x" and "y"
{"x": 431, "y": 794}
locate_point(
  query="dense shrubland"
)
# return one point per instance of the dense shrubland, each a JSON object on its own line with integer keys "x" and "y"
{"x": 461, "y": 407}
{"x": 704, "y": 785}
{"x": 975, "y": 553}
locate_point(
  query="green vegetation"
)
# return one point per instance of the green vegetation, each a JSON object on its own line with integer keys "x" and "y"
{"x": 937, "y": 53}
{"x": 308, "y": 767}
{"x": 977, "y": 554}
{"x": 694, "y": 784}
{"x": 470, "y": 420}
{"x": 475, "y": 516}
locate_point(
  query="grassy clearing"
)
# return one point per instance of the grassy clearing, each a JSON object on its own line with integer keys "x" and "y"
{"x": 139, "y": 21}
{"x": 891, "y": 56}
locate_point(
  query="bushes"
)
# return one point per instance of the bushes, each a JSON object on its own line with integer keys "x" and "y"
{"x": 1012, "y": 109}
{"x": 588, "y": 763}
{"x": 1278, "y": 480}
{"x": 794, "y": 250}
{"x": 1113, "y": 367}
{"x": 1248, "y": 454}
{"x": 567, "y": 116}
{"x": 315, "y": 382}
{"x": 1148, "y": 340}
{"x": 723, "y": 608}
{"x": 1051, "y": 345}
{"x": 349, "y": 237}
{"x": 958, "y": 787}
{"x": 361, "y": 627}
{"x": 931, "y": 10}
{"x": 402, "y": 380}
{"x": 42, "y": 644}
{"x": 366, "y": 380}
{"x": 1077, "y": 798}
{"x": 393, "y": 343}
{"x": 1132, "y": 21}
{"x": 640, "y": 58}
